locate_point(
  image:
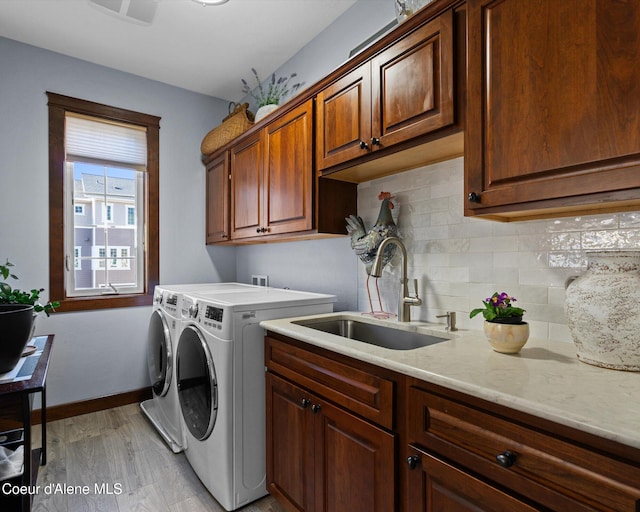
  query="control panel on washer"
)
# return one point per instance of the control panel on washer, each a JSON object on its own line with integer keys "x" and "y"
{"x": 213, "y": 313}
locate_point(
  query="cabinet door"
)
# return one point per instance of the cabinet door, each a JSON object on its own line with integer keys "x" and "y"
{"x": 246, "y": 188}
{"x": 355, "y": 469}
{"x": 288, "y": 183}
{"x": 289, "y": 444}
{"x": 413, "y": 84}
{"x": 218, "y": 200}
{"x": 552, "y": 109}
{"x": 343, "y": 118}
{"x": 434, "y": 485}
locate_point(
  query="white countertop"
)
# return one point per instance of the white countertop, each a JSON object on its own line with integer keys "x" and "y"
{"x": 545, "y": 379}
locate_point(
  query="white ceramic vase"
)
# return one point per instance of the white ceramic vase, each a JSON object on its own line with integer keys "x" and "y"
{"x": 264, "y": 111}
{"x": 603, "y": 310}
{"x": 506, "y": 338}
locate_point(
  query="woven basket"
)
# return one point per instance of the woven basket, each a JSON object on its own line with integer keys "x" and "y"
{"x": 237, "y": 122}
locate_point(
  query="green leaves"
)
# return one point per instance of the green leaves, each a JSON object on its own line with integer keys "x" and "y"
{"x": 9, "y": 295}
{"x": 499, "y": 305}
{"x": 273, "y": 92}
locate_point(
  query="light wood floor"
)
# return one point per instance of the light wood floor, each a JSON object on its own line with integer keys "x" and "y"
{"x": 120, "y": 446}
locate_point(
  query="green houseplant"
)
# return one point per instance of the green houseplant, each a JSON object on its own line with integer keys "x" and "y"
{"x": 503, "y": 325}
{"x": 273, "y": 91}
{"x": 18, "y": 309}
{"x": 269, "y": 95}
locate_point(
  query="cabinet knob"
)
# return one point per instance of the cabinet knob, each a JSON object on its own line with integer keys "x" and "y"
{"x": 305, "y": 402}
{"x": 364, "y": 145}
{"x": 257, "y": 230}
{"x": 224, "y": 235}
{"x": 413, "y": 461}
{"x": 473, "y": 197}
{"x": 315, "y": 408}
{"x": 506, "y": 459}
{"x": 375, "y": 141}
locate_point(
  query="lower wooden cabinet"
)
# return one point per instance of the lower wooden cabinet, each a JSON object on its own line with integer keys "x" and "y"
{"x": 345, "y": 435}
{"x": 322, "y": 457}
{"x": 491, "y": 451}
{"x": 435, "y": 485}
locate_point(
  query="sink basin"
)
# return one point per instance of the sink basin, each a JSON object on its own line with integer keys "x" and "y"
{"x": 379, "y": 335}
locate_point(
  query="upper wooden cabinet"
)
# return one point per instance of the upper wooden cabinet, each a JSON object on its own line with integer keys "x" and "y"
{"x": 553, "y": 107}
{"x": 274, "y": 191}
{"x": 247, "y": 182}
{"x": 218, "y": 199}
{"x": 271, "y": 178}
{"x": 403, "y": 92}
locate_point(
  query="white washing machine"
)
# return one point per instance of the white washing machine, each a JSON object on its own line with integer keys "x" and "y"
{"x": 163, "y": 409}
{"x": 221, "y": 390}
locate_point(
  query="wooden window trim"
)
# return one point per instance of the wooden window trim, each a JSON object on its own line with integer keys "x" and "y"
{"x": 58, "y": 106}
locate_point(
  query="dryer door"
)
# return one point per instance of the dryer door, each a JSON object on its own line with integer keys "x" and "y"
{"x": 197, "y": 384}
{"x": 159, "y": 353}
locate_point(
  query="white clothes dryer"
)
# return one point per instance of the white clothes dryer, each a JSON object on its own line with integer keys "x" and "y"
{"x": 163, "y": 410}
{"x": 221, "y": 389}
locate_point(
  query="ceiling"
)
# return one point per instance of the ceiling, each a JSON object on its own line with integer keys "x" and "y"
{"x": 202, "y": 49}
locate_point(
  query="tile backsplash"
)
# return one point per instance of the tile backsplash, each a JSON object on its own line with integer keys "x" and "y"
{"x": 459, "y": 261}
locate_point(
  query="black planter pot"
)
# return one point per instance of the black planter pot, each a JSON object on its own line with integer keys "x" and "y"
{"x": 16, "y": 321}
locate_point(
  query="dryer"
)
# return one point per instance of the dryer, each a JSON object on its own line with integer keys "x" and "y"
{"x": 163, "y": 410}
{"x": 221, "y": 390}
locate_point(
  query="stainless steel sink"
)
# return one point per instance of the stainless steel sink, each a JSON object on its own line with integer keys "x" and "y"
{"x": 379, "y": 335}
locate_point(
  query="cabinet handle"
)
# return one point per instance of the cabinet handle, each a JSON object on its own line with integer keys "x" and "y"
{"x": 305, "y": 402}
{"x": 257, "y": 230}
{"x": 315, "y": 408}
{"x": 375, "y": 141}
{"x": 413, "y": 461}
{"x": 224, "y": 235}
{"x": 364, "y": 145}
{"x": 473, "y": 197}
{"x": 506, "y": 459}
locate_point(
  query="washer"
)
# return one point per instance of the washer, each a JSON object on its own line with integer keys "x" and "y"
{"x": 163, "y": 409}
{"x": 221, "y": 391}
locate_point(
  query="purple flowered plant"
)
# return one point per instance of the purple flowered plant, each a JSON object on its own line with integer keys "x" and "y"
{"x": 497, "y": 307}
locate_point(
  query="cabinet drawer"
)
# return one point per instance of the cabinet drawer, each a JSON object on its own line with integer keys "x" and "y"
{"x": 359, "y": 391}
{"x": 536, "y": 464}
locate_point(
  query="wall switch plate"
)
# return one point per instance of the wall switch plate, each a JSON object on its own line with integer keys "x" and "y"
{"x": 260, "y": 280}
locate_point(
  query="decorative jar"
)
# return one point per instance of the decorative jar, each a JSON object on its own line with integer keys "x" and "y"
{"x": 603, "y": 310}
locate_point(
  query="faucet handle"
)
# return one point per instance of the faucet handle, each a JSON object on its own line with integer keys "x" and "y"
{"x": 415, "y": 288}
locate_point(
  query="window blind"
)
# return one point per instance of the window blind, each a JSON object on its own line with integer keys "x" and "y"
{"x": 87, "y": 138}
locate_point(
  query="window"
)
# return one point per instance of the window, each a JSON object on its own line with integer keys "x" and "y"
{"x": 103, "y": 179}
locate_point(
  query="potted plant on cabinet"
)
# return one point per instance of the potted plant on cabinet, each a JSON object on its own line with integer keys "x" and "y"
{"x": 268, "y": 96}
{"x": 503, "y": 325}
{"x": 18, "y": 310}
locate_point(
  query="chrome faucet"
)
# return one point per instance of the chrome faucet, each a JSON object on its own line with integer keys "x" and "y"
{"x": 405, "y": 300}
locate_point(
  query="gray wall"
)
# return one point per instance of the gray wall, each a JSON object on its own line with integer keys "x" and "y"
{"x": 100, "y": 352}
{"x": 103, "y": 352}
{"x": 329, "y": 265}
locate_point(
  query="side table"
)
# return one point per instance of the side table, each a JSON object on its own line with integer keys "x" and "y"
{"x": 16, "y": 398}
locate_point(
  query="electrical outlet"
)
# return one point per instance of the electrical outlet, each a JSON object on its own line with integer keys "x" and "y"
{"x": 260, "y": 280}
